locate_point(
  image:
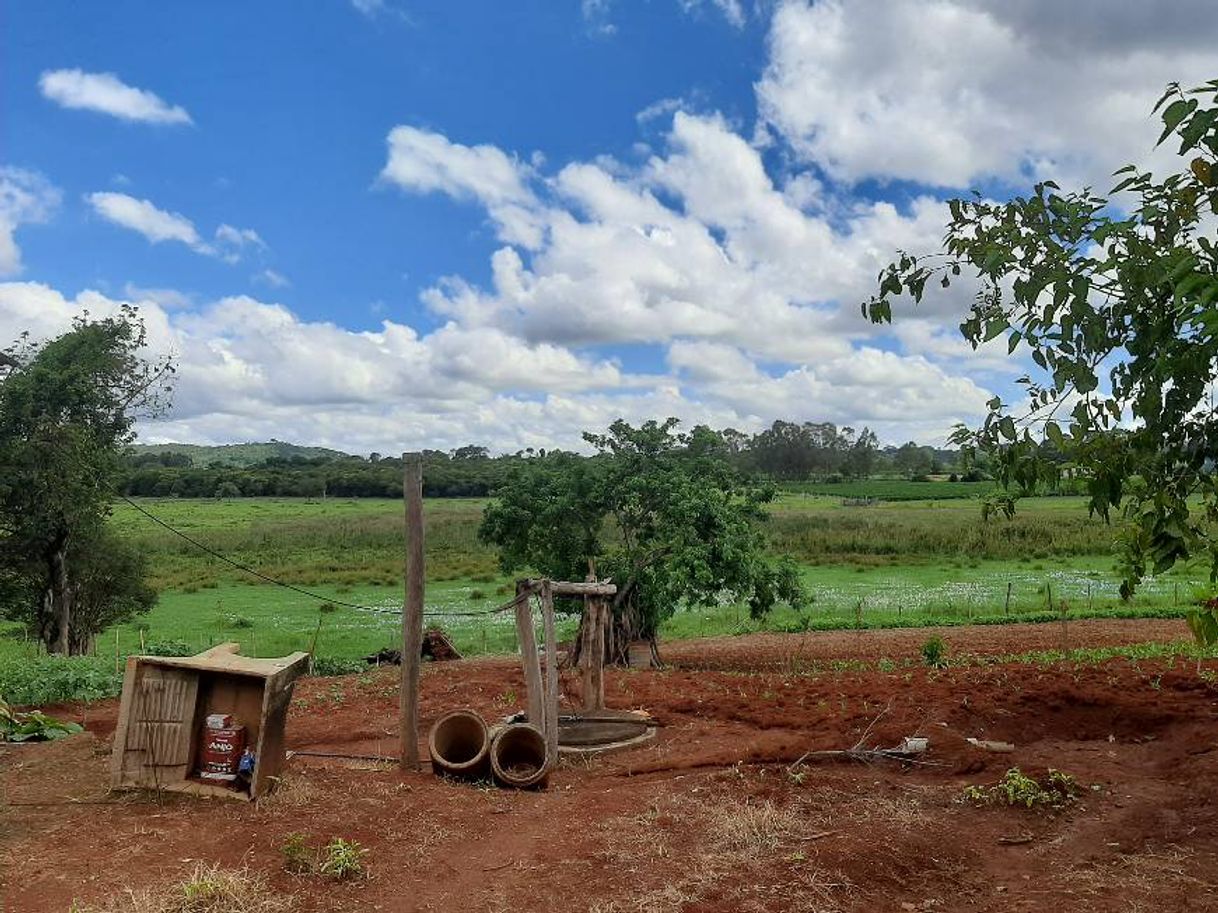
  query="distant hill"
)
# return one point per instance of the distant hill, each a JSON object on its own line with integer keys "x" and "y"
{"x": 238, "y": 455}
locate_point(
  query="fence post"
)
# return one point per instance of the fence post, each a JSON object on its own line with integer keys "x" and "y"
{"x": 1006, "y": 608}
{"x": 412, "y": 610}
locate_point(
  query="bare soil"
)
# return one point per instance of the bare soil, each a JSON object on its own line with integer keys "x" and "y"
{"x": 707, "y": 817}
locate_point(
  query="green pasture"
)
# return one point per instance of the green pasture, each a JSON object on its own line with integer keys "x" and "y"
{"x": 894, "y": 563}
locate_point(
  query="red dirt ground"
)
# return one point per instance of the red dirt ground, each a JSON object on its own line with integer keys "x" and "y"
{"x": 706, "y": 817}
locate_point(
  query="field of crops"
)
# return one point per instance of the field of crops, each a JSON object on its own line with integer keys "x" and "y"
{"x": 892, "y": 489}
{"x": 894, "y": 563}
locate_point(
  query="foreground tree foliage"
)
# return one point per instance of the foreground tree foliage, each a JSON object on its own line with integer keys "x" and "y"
{"x": 66, "y": 413}
{"x": 1116, "y": 303}
{"x": 661, "y": 512}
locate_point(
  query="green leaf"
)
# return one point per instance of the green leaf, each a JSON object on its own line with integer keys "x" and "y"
{"x": 1174, "y": 114}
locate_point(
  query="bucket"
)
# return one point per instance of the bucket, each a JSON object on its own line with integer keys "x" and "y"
{"x": 459, "y": 745}
{"x": 221, "y": 750}
{"x": 518, "y": 756}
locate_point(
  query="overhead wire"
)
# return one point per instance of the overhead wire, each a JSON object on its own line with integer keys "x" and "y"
{"x": 245, "y": 568}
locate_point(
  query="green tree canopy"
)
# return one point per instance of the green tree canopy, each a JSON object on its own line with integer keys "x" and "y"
{"x": 661, "y": 512}
{"x": 1115, "y": 301}
{"x": 67, "y": 408}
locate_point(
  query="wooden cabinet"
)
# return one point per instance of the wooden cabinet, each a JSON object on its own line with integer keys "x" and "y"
{"x": 166, "y": 700}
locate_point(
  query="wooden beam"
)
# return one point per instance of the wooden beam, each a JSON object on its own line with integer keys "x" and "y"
{"x": 551, "y": 727}
{"x": 528, "y": 654}
{"x": 412, "y": 611}
{"x": 566, "y": 588}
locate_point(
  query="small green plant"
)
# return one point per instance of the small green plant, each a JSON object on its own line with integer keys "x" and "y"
{"x": 342, "y": 859}
{"x": 231, "y": 620}
{"x": 1017, "y": 789}
{"x": 32, "y": 727}
{"x": 934, "y": 652}
{"x": 477, "y": 595}
{"x": 298, "y": 858}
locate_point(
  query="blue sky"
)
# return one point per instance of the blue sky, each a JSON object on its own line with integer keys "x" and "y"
{"x": 290, "y": 115}
{"x": 378, "y": 224}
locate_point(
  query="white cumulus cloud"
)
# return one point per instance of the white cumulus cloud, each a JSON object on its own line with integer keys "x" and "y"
{"x": 107, "y": 94}
{"x": 144, "y": 217}
{"x": 951, "y": 92}
{"x": 230, "y": 244}
{"x": 26, "y": 197}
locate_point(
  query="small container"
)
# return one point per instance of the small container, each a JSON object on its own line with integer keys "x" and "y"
{"x": 221, "y": 751}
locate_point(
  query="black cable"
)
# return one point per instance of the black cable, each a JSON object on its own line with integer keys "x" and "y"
{"x": 295, "y": 589}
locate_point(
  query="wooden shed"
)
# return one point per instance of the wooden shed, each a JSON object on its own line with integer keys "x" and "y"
{"x": 166, "y": 700}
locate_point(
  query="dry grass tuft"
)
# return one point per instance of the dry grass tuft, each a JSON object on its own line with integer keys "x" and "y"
{"x": 209, "y": 889}
{"x": 295, "y": 791}
{"x": 752, "y": 830}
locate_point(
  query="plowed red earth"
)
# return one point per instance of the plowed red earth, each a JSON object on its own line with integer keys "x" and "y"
{"x": 706, "y": 817}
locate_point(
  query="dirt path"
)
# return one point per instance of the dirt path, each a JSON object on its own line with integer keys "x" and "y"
{"x": 705, "y": 818}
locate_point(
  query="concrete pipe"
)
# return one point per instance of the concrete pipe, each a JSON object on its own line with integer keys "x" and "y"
{"x": 459, "y": 745}
{"x": 518, "y": 757}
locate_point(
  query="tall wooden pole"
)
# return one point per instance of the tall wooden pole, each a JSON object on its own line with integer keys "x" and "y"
{"x": 412, "y": 612}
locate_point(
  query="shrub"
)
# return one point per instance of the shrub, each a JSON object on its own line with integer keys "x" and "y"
{"x": 325, "y": 666}
{"x": 169, "y": 648}
{"x": 342, "y": 859}
{"x": 934, "y": 652}
{"x": 297, "y": 857}
{"x": 54, "y": 679}
{"x": 1018, "y": 789}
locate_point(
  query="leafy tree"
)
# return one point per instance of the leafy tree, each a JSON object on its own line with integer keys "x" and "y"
{"x": 107, "y": 587}
{"x": 659, "y": 511}
{"x": 226, "y": 490}
{"x": 913, "y": 460}
{"x": 66, "y": 412}
{"x": 1116, "y": 303}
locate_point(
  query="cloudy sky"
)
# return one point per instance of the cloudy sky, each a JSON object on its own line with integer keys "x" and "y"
{"x": 387, "y": 225}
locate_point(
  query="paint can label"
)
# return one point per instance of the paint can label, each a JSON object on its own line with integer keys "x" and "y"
{"x": 220, "y": 753}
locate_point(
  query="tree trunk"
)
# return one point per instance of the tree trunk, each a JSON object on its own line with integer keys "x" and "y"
{"x": 624, "y": 628}
{"x": 61, "y": 599}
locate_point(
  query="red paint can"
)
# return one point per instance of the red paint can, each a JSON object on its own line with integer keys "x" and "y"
{"x": 220, "y": 753}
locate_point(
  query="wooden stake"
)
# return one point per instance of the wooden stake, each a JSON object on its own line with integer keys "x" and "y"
{"x": 412, "y": 612}
{"x": 1006, "y": 608}
{"x": 598, "y": 653}
{"x": 528, "y": 654}
{"x": 551, "y": 728}
{"x": 587, "y": 647}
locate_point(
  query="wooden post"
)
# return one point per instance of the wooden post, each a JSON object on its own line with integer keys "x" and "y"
{"x": 551, "y": 711}
{"x": 412, "y": 612}
{"x": 601, "y": 607}
{"x": 587, "y": 648}
{"x": 528, "y": 654}
{"x": 1006, "y": 608}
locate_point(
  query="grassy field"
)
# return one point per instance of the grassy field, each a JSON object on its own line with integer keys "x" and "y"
{"x": 892, "y": 563}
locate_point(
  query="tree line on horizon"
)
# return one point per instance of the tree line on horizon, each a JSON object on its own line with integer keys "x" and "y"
{"x": 784, "y": 452}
